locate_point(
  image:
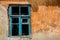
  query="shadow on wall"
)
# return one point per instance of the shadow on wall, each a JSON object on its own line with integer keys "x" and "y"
{"x": 35, "y": 3}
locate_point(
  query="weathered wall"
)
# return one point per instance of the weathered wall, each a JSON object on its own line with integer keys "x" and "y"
{"x": 45, "y": 17}
{"x": 3, "y": 22}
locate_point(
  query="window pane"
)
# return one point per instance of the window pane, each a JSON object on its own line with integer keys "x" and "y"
{"x": 15, "y": 20}
{"x": 14, "y": 30}
{"x": 24, "y": 29}
{"x": 24, "y": 10}
{"x": 15, "y": 10}
{"x": 24, "y": 20}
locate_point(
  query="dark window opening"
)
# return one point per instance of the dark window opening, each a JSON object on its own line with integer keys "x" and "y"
{"x": 24, "y": 10}
{"x": 25, "y": 20}
{"x": 15, "y": 20}
{"x": 19, "y": 20}
{"x": 15, "y": 10}
{"x": 24, "y": 29}
{"x": 14, "y": 30}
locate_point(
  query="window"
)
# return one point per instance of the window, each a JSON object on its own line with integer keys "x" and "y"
{"x": 15, "y": 10}
{"x": 15, "y": 20}
{"x": 15, "y": 25}
{"x": 25, "y": 29}
{"x": 19, "y": 25}
{"x": 25, "y": 20}
{"x": 24, "y": 10}
{"x": 15, "y": 30}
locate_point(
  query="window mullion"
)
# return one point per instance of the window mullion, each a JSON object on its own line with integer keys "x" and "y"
{"x": 10, "y": 26}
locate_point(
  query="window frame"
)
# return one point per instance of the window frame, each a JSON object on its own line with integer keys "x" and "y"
{"x": 20, "y": 19}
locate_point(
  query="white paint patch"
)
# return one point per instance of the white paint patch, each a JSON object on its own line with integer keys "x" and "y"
{"x": 3, "y": 23}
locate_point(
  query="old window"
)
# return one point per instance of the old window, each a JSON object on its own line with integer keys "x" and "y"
{"x": 19, "y": 25}
{"x": 25, "y": 29}
{"x": 24, "y": 10}
{"x": 15, "y": 10}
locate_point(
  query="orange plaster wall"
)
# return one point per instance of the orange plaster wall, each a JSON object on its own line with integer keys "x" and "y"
{"x": 47, "y": 18}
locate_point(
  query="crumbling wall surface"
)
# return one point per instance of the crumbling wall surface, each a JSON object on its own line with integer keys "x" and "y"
{"x": 47, "y": 14}
{"x": 46, "y": 19}
{"x": 3, "y": 22}
{"x": 46, "y": 23}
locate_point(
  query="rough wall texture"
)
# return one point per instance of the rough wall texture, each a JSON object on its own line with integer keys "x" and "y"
{"x": 44, "y": 19}
{"x": 3, "y": 22}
